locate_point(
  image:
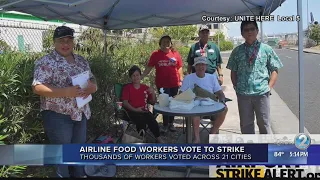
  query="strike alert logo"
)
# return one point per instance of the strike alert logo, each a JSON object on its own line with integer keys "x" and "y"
{"x": 261, "y": 172}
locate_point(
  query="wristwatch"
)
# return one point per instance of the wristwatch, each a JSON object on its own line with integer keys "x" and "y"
{"x": 220, "y": 75}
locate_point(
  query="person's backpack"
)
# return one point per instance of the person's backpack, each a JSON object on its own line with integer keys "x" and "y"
{"x": 101, "y": 170}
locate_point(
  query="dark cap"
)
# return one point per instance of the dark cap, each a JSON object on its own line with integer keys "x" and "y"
{"x": 164, "y": 36}
{"x": 203, "y": 27}
{"x": 63, "y": 31}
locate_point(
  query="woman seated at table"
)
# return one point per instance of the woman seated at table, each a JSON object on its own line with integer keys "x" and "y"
{"x": 135, "y": 97}
{"x": 208, "y": 82}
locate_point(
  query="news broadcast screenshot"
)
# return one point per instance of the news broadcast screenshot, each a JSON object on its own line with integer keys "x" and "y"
{"x": 222, "y": 89}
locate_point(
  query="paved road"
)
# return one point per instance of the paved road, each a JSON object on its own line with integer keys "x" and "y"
{"x": 287, "y": 86}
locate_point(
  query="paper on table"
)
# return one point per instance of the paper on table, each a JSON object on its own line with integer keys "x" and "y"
{"x": 82, "y": 81}
{"x": 187, "y": 95}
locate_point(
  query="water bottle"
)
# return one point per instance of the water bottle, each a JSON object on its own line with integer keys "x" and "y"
{"x": 163, "y": 98}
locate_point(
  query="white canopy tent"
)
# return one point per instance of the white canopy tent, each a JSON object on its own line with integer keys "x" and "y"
{"x": 126, "y": 14}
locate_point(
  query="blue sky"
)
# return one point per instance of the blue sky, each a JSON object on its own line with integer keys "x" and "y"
{"x": 288, "y": 8}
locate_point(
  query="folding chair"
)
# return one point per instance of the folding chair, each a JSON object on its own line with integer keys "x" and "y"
{"x": 122, "y": 114}
{"x": 205, "y": 127}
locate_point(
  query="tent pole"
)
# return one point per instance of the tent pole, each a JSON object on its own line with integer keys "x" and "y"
{"x": 261, "y": 31}
{"x": 301, "y": 67}
{"x": 261, "y": 28}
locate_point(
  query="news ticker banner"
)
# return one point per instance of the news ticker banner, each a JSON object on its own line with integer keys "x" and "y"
{"x": 134, "y": 154}
{"x": 281, "y": 149}
{"x": 264, "y": 171}
{"x": 159, "y": 154}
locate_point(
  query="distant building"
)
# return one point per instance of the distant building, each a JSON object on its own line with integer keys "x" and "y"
{"x": 138, "y": 33}
{"x": 215, "y": 27}
{"x": 292, "y": 38}
{"x": 237, "y": 40}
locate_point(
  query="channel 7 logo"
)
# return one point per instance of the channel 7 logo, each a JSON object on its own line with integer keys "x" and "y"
{"x": 302, "y": 141}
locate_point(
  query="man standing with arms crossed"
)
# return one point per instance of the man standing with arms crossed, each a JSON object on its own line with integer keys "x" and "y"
{"x": 208, "y": 49}
{"x": 254, "y": 71}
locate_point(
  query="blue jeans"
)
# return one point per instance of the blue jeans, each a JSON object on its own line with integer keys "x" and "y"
{"x": 61, "y": 129}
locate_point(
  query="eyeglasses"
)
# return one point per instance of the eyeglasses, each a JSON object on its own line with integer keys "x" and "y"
{"x": 249, "y": 29}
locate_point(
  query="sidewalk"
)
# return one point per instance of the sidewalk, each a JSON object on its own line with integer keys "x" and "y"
{"x": 306, "y": 50}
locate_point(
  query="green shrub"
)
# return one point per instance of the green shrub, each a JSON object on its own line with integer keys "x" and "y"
{"x": 19, "y": 107}
{"x": 184, "y": 51}
{"x": 226, "y": 45}
{"x": 4, "y": 46}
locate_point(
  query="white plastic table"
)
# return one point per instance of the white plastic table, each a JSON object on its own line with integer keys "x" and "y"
{"x": 196, "y": 111}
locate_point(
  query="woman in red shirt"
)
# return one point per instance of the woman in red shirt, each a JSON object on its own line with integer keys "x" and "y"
{"x": 135, "y": 97}
{"x": 169, "y": 75}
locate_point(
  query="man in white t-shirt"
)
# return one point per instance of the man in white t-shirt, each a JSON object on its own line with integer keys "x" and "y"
{"x": 210, "y": 83}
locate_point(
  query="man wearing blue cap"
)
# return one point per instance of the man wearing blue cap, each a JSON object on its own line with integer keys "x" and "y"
{"x": 64, "y": 122}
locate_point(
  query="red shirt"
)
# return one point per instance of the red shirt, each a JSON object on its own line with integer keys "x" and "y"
{"x": 136, "y": 97}
{"x": 167, "y": 65}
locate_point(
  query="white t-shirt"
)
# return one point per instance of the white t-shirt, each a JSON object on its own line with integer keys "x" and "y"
{"x": 209, "y": 82}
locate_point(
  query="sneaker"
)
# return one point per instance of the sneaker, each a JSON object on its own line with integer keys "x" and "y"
{"x": 172, "y": 128}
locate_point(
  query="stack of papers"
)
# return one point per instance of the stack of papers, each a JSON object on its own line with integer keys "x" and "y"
{"x": 187, "y": 96}
{"x": 204, "y": 101}
{"x": 82, "y": 81}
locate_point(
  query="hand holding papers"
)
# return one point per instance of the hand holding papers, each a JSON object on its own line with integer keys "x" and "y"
{"x": 82, "y": 81}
